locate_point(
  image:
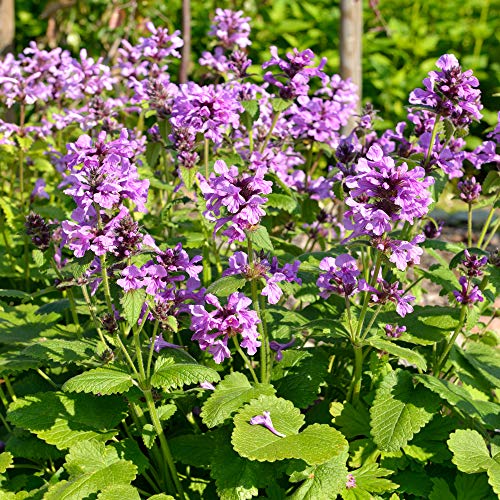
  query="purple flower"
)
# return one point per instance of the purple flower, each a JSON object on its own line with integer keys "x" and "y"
{"x": 213, "y": 329}
{"x": 473, "y": 264}
{"x": 470, "y": 190}
{"x": 230, "y": 28}
{"x": 469, "y": 294}
{"x": 162, "y": 344}
{"x": 208, "y": 110}
{"x": 394, "y": 331}
{"x": 432, "y": 229}
{"x": 131, "y": 279}
{"x": 279, "y": 348}
{"x": 39, "y": 190}
{"x": 294, "y": 80}
{"x": 390, "y": 292}
{"x": 240, "y": 195}
{"x": 451, "y": 92}
{"x": 207, "y": 385}
{"x": 351, "y": 482}
{"x": 340, "y": 276}
{"x": 265, "y": 420}
{"x": 382, "y": 193}
{"x": 401, "y": 253}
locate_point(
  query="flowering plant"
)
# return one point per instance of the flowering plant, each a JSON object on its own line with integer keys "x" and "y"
{"x": 224, "y": 290}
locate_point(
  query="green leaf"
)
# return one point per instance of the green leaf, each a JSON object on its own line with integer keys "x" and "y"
{"x": 103, "y": 381}
{"x": 6, "y": 461}
{"x": 486, "y": 360}
{"x": 132, "y": 302}
{"x": 298, "y": 376}
{"x": 119, "y": 492}
{"x": 23, "y": 444}
{"x": 470, "y": 453}
{"x": 324, "y": 481}
{"x": 316, "y": 444}
{"x": 440, "y": 490}
{"x": 399, "y": 410}
{"x": 128, "y": 449}
{"x": 260, "y": 238}
{"x": 282, "y": 201}
{"x": 226, "y": 285}
{"x": 353, "y": 421}
{"x": 194, "y": 449}
{"x": 61, "y": 350}
{"x": 491, "y": 182}
{"x": 148, "y": 435}
{"x": 92, "y": 467}
{"x": 369, "y": 479}
{"x": 15, "y": 294}
{"x": 236, "y": 477}
{"x": 279, "y": 104}
{"x": 64, "y": 419}
{"x": 188, "y": 176}
{"x": 410, "y": 355}
{"x": 170, "y": 373}
{"x": 229, "y": 395}
{"x": 251, "y": 107}
{"x": 460, "y": 400}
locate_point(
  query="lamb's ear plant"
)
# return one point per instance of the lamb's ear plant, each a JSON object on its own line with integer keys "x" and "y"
{"x": 209, "y": 291}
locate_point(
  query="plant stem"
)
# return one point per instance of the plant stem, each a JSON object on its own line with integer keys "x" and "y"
{"x": 469, "y": 225}
{"x": 151, "y": 349}
{"x": 91, "y": 307}
{"x": 493, "y": 232}
{"x": 372, "y": 320}
{"x": 451, "y": 342}
{"x": 431, "y": 143}
{"x": 167, "y": 455}
{"x": 487, "y": 223}
{"x": 270, "y": 133}
{"x": 358, "y": 371}
{"x": 9, "y": 388}
{"x": 378, "y": 265}
{"x": 265, "y": 375}
{"x": 47, "y": 378}
{"x": 245, "y": 359}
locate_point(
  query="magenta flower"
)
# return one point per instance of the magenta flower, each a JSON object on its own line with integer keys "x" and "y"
{"x": 340, "y": 276}
{"x": 351, "y": 482}
{"x": 470, "y": 190}
{"x": 265, "y": 420}
{"x": 162, "y": 344}
{"x": 451, "y": 92}
{"x": 473, "y": 264}
{"x": 280, "y": 347}
{"x": 214, "y": 328}
{"x": 39, "y": 190}
{"x": 394, "y": 331}
{"x": 131, "y": 279}
{"x": 469, "y": 294}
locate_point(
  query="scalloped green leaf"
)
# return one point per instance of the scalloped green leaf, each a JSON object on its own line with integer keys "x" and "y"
{"x": 298, "y": 376}
{"x": 316, "y": 444}
{"x": 370, "y": 479}
{"x": 119, "y": 492}
{"x": 104, "y": 380}
{"x": 6, "y": 461}
{"x": 486, "y": 360}
{"x": 64, "y": 419}
{"x": 260, "y": 239}
{"x": 324, "y": 481}
{"x": 169, "y": 373}
{"x": 132, "y": 302}
{"x": 470, "y": 453}
{"x": 92, "y": 467}
{"x": 230, "y": 395}
{"x": 61, "y": 350}
{"x": 400, "y": 410}
{"x": 459, "y": 399}
{"x": 410, "y": 355}
{"x": 226, "y": 285}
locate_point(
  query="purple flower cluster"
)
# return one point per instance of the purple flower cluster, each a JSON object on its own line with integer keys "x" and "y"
{"x": 390, "y": 292}
{"x": 394, "y": 331}
{"x": 382, "y": 193}
{"x": 451, "y": 92}
{"x": 469, "y": 293}
{"x": 261, "y": 268}
{"x": 208, "y": 110}
{"x": 401, "y": 253}
{"x": 469, "y": 189}
{"x": 340, "y": 276}
{"x": 213, "y": 329}
{"x": 239, "y": 194}
{"x": 293, "y": 81}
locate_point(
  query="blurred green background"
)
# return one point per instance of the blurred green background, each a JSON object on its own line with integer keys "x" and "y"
{"x": 402, "y": 38}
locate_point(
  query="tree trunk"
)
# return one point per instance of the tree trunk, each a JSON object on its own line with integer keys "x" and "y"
{"x": 351, "y": 33}
{"x": 7, "y": 26}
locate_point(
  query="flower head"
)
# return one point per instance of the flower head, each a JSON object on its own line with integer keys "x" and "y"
{"x": 265, "y": 420}
{"x": 469, "y": 294}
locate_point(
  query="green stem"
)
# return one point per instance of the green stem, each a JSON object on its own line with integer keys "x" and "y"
{"x": 372, "y": 320}
{"x": 5, "y": 423}
{"x": 493, "y": 232}
{"x": 151, "y": 349}
{"x": 378, "y": 265}
{"x": 167, "y": 455}
{"x": 47, "y": 378}
{"x": 433, "y": 138}
{"x": 487, "y": 223}
{"x": 265, "y": 375}
{"x": 270, "y": 133}
{"x": 9, "y": 388}
{"x": 92, "y": 311}
{"x": 127, "y": 356}
{"x": 451, "y": 342}
{"x": 469, "y": 225}
{"x": 105, "y": 283}
{"x": 245, "y": 360}
{"x": 358, "y": 371}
